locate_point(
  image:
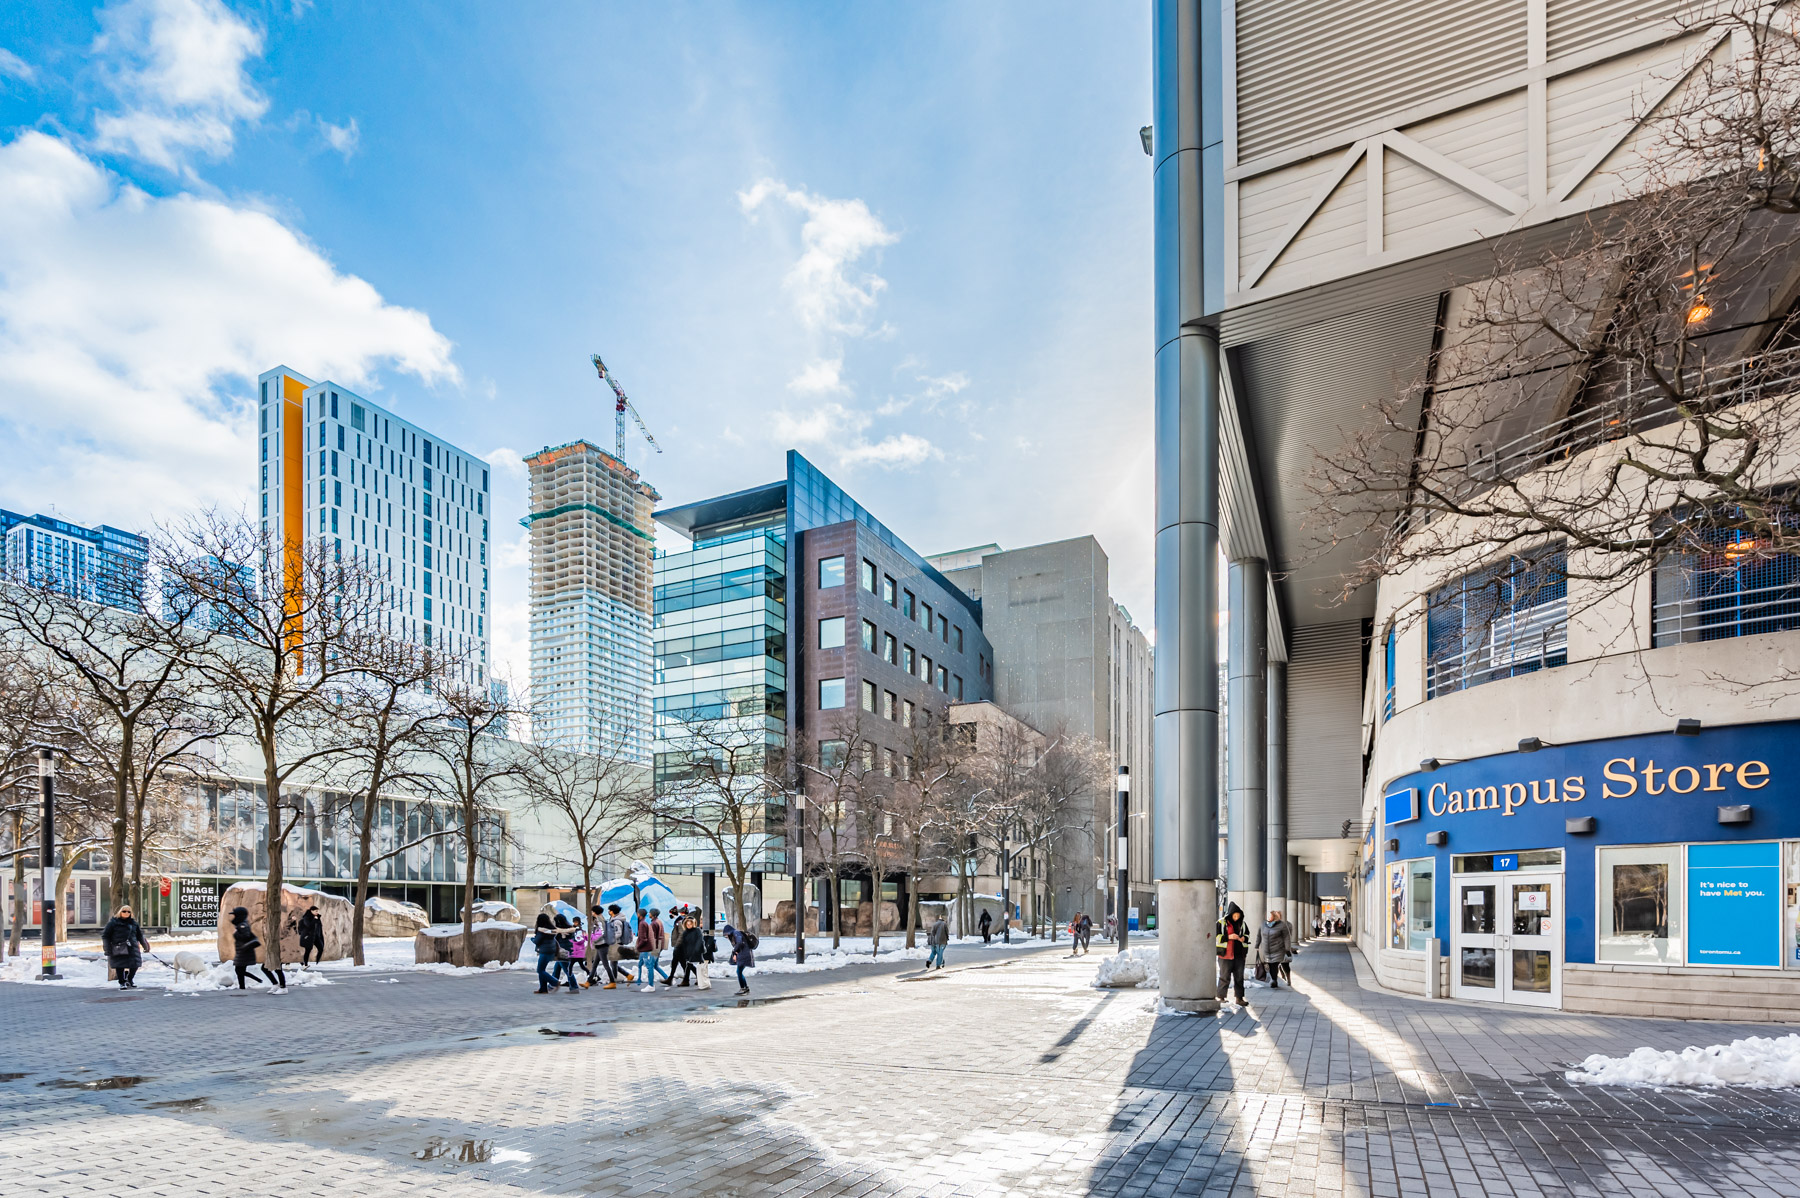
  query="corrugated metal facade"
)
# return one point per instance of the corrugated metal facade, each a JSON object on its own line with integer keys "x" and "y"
{"x": 1577, "y": 24}
{"x": 1325, "y": 668}
{"x": 1304, "y": 69}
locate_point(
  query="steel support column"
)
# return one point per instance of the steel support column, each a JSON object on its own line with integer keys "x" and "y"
{"x": 1247, "y": 736}
{"x": 1281, "y": 895}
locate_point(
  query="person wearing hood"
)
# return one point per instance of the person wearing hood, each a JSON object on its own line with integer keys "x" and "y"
{"x": 543, "y": 938}
{"x": 1275, "y": 941}
{"x": 986, "y": 925}
{"x": 312, "y": 936}
{"x": 1232, "y": 943}
{"x": 244, "y": 945}
{"x": 121, "y": 940}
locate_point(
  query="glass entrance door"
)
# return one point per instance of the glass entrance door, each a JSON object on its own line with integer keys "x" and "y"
{"x": 1507, "y": 945}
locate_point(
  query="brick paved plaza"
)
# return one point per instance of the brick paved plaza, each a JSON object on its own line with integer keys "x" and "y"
{"x": 1009, "y": 1077}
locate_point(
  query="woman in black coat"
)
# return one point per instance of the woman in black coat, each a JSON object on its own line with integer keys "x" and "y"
{"x": 121, "y": 940}
{"x": 690, "y": 952}
{"x": 312, "y": 935}
{"x": 245, "y": 944}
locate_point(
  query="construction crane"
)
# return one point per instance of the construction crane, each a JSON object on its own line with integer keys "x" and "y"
{"x": 621, "y": 407}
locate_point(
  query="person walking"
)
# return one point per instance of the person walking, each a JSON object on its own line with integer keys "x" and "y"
{"x": 1083, "y": 931}
{"x": 939, "y": 939}
{"x": 1232, "y": 943}
{"x": 244, "y": 945}
{"x": 690, "y": 950}
{"x": 596, "y": 946}
{"x": 618, "y": 931}
{"x": 312, "y": 936}
{"x": 651, "y": 940}
{"x": 121, "y": 941}
{"x": 987, "y": 926}
{"x": 1275, "y": 944}
{"x": 543, "y": 938}
{"x": 563, "y": 968}
{"x": 743, "y": 954}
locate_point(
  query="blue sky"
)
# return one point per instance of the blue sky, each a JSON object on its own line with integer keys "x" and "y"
{"x": 911, "y": 240}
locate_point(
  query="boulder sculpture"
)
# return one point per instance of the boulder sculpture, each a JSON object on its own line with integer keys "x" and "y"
{"x": 495, "y": 910}
{"x": 392, "y": 917}
{"x": 783, "y": 923}
{"x": 441, "y": 943}
{"x": 890, "y": 918}
{"x": 334, "y": 915}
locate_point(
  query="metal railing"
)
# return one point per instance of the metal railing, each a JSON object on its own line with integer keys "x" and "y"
{"x": 1516, "y": 643}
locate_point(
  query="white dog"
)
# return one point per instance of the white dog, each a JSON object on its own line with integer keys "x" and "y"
{"x": 190, "y": 964}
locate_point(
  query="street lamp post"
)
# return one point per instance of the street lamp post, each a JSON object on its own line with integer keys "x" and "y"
{"x": 46, "y": 859}
{"x": 800, "y": 879}
{"x": 1122, "y": 865}
{"x": 1005, "y": 891}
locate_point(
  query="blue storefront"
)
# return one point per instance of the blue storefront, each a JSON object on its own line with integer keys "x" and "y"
{"x": 1673, "y": 851}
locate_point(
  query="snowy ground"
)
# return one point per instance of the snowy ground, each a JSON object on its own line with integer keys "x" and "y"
{"x": 1757, "y": 1062}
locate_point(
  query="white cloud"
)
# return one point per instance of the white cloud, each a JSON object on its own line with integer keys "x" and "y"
{"x": 14, "y": 67}
{"x": 828, "y": 295}
{"x": 343, "y": 138}
{"x": 840, "y": 433}
{"x": 132, "y": 328}
{"x": 821, "y": 376}
{"x": 177, "y": 66}
{"x": 949, "y": 384}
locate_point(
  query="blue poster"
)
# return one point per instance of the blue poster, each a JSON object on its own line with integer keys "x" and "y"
{"x": 1734, "y": 904}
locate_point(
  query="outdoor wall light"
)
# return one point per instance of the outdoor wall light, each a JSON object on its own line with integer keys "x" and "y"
{"x": 1439, "y": 838}
{"x": 1581, "y": 825}
{"x": 1737, "y": 813}
{"x": 1430, "y": 764}
{"x": 1146, "y": 135}
{"x": 1687, "y": 727}
{"x": 1393, "y": 846}
{"x": 1530, "y": 744}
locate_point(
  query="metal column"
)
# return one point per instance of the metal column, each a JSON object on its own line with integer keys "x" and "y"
{"x": 1281, "y": 895}
{"x": 1247, "y": 736}
{"x": 1188, "y": 151}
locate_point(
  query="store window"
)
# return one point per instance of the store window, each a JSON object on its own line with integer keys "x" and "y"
{"x": 1396, "y": 904}
{"x": 831, "y": 572}
{"x": 831, "y": 633}
{"x": 1387, "y": 674}
{"x": 1508, "y": 618}
{"x": 1640, "y": 917}
{"x": 831, "y": 693}
{"x": 1421, "y": 899}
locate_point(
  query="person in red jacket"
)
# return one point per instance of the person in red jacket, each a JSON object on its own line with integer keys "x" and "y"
{"x": 651, "y": 940}
{"x": 1233, "y": 946}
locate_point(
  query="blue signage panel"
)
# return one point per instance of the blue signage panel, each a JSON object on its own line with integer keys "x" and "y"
{"x": 1734, "y": 904}
{"x": 1505, "y": 861}
{"x": 1400, "y": 806}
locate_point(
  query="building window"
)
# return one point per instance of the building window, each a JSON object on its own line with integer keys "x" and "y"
{"x": 831, "y": 694}
{"x": 927, "y": 617}
{"x": 1640, "y": 905}
{"x": 906, "y": 714}
{"x": 908, "y": 659}
{"x": 831, "y": 633}
{"x": 943, "y": 679}
{"x": 868, "y": 576}
{"x": 868, "y": 635}
{"x": 907, "y": 605}
{"x": 831, "y": 572}
{"x": 1387, "y": 675}
{"x": 1508, "y": 618}
{"x": 890, "y": 649}
{"x": 958, "y": 681}
{"x": 944, "y": 628}
{"x": 959, "y": 640}
{"x": 831, "y": 754}
{"x": 1726, "y": 585}
{"x": 889, "y": 767}
{"x": 888, "y": 591}
{"x": 925, "y": 670}
{"x": 1420, "y": 905}
{"x": 869, "y": 693}
{"x": 888, "y": 700}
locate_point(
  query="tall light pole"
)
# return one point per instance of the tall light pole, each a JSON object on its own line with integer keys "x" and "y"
{"x": 1122, "y": 864}
{"x": 800, "y": 878}
{"x": 46, "y": 859}
{"x": 1005, "y": 892}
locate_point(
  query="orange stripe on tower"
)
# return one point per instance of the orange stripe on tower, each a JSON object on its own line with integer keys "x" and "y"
{"x": 293, "y": 496}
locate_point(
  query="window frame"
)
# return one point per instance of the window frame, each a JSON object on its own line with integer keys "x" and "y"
{"x": 836, "y": 559}
{"x": 825, "y": 622}
{"x": 823, "y": 691}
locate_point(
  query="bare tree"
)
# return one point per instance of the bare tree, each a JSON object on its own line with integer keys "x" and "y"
{"x": 831, "y": 770}
{"x": 1004, "y": 764}
{"x": 478, "y": 761}
{"x": 1613, "y": 403}
{"x": 722, "y": 788}
{"x": 1069, "y": 772}
{"x": 597, "y": 798}
{"x": 293, "y": 624}
{"x": 935, "y": 763}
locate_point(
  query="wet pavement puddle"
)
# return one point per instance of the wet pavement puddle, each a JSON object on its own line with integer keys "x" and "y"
{"x": 99, "y": 1083}
{"x": 468, "y": 1152}
{"x": 179, "y": 1104}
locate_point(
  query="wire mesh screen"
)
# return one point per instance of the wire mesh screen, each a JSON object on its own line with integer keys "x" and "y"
{"x": 1734, "y": 587}
{"x": 1508, "y": 618}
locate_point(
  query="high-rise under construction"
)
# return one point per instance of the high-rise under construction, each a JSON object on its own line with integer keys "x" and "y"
{"x": 591, "y": 563}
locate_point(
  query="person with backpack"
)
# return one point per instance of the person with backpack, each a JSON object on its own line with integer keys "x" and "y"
{"x": 618, "y": 936}
{"x": 1232, "y": 944}
{"x": 244, "y": 944}
{"x": 651, "y": 940}
{"x": 743, "y": 953}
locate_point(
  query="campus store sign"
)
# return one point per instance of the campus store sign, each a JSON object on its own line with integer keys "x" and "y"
{"x": 1654, "y": 789}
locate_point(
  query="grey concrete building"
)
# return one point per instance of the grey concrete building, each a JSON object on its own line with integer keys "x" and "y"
{"x": 1069, "y": 658}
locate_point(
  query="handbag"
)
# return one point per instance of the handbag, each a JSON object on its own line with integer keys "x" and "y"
{"x": 702, "y": 979}
{"x": 1262, "y": 972}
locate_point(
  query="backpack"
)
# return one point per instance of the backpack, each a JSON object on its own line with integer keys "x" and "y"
{"x": 750, "y": 941}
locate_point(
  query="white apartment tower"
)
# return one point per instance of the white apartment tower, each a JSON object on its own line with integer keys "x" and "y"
{"x": 591, "y": 604}
{"x": 406, "y": 504}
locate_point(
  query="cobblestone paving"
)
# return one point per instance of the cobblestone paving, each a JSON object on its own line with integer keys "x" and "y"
{"x": 997, "y": 1078}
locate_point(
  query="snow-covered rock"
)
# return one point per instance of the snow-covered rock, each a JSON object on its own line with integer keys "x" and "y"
{"x": 1759, "y": 1062}
{"x": 385, "y": 917}
{"x": 334, "y": 915}
{"x": 494, "y": 909}
{"x": 495, "y": 940}
{"x": 1133, "y": 967}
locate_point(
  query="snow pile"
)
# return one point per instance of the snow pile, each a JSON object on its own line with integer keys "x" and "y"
{"x": 223, "y": 976}
{"x": 1758, "y": 1062}
{"x": 71, "y": 970}
{"x": 1133, "y": 967}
